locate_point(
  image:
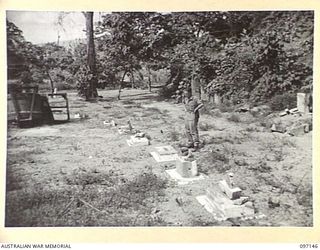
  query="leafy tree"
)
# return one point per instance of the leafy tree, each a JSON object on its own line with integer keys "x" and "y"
{"x": 121, "y": 46}
{"x": 20, "y": 54}
{"x": 56, "y": 63}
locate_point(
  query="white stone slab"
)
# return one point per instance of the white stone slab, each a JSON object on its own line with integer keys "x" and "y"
{"x": 211, "y": 208}
{"x": 165, "y": 150}
{"x": 134, "y": 141}
{"x": 227, "y": 211}
{"x": 163, "y": 158}
{"x": 181, "y": 180}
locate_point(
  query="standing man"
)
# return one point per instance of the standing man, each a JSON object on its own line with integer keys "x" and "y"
{"x": 192, "y": 106}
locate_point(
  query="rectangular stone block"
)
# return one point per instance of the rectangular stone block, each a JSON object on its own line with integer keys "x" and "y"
{"x": 302, "y": 102}
{"x": 232, "y": 193}
{"x": 185, "y": 168}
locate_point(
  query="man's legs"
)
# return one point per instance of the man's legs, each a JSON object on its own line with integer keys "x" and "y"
{"x": 189, "y": 129}
{"x": 195, "y": 133}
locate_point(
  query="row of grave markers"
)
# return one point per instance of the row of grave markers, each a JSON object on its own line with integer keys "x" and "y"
{"x": 222, "y": 200}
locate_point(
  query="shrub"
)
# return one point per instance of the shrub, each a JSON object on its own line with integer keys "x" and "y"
{"x": 234, "y": 118}
{"x": 167, "y": 92}
{"x": 225, "y": 108}
{"x": 281, "y": 102}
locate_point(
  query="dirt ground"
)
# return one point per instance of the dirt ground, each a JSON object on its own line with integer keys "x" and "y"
{"x": 83, "y": 173}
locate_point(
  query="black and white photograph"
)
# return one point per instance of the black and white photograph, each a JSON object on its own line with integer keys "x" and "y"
{"x": 159, "y": 119}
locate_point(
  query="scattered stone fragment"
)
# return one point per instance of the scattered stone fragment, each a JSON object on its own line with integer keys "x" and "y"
{"x": 243, "y": 109}
{"x": 242, "y": 200}
{"x": 110, "y": 123}
{"x": 249, "y": 204}
{"x": 294, "y": 110}
{"x": 276, "y": 128}
{"x": 273, "y": 202}
{"x": 307, "y": 128}
{"x": 297, "y": 130}
{"x": 138, "y": 141}
{"x": 284, "y": 113}
{"x": 240, "y": 162}
{"x": 222, "y": 207}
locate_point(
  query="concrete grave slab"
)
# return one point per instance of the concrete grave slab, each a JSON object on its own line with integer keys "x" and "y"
{"x": 163, "y": 158}
{"x": 182, "y": 180}
{"x": 164, "y": 154}
{"x": 138, "y": 141}
{"x": 222, "y": 210}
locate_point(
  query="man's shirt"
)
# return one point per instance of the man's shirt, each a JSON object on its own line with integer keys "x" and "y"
{"x": 190, "y": 105}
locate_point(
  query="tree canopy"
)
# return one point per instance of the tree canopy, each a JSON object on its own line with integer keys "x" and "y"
{"x": 239, "y": 54}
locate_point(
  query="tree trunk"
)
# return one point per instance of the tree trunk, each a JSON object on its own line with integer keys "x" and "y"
{"x": 132, "y": 79}
{"x": 51, "y": 82}
{"x": 195, "y": 86}
{"x": 149, "y": 79}
{"x": 91, "y": 57}
{"x": 120, "y": 85}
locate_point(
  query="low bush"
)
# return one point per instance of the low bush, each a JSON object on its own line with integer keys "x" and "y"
{"x": 281, "y": 102}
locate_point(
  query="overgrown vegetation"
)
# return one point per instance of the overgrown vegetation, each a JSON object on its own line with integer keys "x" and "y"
{"x": 281, "y": 102}
{"x": 239, "y": 55}
{"x": 120, "y": 202}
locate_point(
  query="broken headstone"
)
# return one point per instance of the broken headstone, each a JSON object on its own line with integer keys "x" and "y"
{"x": 221, "y": 207}
{"x": 232, "y": 193}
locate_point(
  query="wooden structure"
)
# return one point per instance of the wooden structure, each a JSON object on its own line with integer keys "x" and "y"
{"x": 28, "y": 108}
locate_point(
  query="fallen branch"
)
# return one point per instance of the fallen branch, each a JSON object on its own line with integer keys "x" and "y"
{"x": 89, "y": 205}
{"x": 300, "y": 182}
{"x": 65, "y": 209}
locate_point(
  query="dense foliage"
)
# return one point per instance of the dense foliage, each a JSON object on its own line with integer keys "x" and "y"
{"x": 240, "y": 55}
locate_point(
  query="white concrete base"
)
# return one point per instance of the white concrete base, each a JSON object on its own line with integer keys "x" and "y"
{"x": 181, "y": 180}
{"x": 185, "y": 168}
